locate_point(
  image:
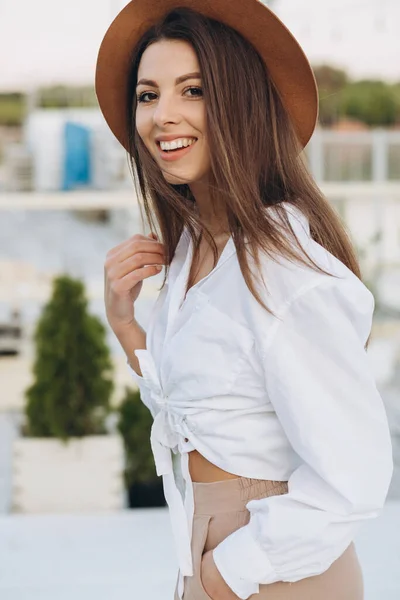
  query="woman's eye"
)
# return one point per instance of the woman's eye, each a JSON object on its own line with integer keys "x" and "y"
{"x": 198, "y": 90}
{"x": 141, "y": 96}
{"x": 195, "y": 93}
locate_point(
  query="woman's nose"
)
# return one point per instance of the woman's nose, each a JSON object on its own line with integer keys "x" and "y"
{"x": 165, "y": 111}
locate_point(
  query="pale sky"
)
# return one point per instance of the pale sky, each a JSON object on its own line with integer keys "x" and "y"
{"x": 56, "y": 41}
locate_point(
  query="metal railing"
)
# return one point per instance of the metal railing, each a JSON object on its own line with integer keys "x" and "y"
{"x": 341, "y": 156}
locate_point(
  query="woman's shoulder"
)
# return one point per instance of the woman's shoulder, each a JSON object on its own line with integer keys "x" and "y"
{"x": 297, "y": 218}
{"x": 287, "y": 278}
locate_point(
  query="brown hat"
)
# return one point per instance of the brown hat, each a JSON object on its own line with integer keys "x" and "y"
{"x": 286, "y": 62}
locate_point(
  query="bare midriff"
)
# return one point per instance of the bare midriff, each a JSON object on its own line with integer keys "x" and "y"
{"x": 203, "y": 471}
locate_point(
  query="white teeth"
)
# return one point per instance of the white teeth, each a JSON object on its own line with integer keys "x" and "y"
{"x": 178, "y": 143}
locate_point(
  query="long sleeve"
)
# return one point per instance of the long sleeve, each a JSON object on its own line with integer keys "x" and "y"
{"x": 320, "y": 383}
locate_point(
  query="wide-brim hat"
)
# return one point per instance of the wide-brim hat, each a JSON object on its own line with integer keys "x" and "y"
{"x": 287, "y": 64}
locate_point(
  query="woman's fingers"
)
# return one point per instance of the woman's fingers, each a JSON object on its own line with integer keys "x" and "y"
{"x": 133, "y": 277}
{"x": 136, "y": 246}
{"x": 135, "y": 263}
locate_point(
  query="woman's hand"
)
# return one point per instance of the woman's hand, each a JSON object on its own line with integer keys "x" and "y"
{"x": 212, "y": 580}
{"x": 125, "y": 268}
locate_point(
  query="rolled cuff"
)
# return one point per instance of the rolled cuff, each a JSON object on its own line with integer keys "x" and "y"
{"x": 243, "y": 563}
{"x": 144, "y": 388}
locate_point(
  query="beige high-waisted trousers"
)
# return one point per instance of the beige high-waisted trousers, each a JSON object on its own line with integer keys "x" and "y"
{"x": 219, "y": 509}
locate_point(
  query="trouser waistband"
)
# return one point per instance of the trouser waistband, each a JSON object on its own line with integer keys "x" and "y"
{"x": 233, "y": 494}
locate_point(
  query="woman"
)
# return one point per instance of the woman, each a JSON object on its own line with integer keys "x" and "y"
{"x": 268, "y": 429}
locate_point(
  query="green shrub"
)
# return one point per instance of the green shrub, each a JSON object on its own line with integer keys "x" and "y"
{"x": 134, "y": 425}
{"x": 12, "y": 109}
{"x": 66, "y": 96}
{"x": 70, "y": 396}
{"x": 331, "y": 83}
{"x": 372, "y": 102}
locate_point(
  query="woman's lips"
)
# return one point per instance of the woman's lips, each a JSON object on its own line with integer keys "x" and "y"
{"x": 175, "y": 154}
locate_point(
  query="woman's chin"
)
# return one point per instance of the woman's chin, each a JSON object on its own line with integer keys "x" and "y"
{"x": 188, "y": 176}
{"x": 176, "y": 179}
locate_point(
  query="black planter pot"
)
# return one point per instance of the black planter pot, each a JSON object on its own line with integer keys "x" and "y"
{"x": 146, "y": 494}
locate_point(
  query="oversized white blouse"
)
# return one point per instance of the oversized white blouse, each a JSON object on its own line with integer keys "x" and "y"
{"x": 289, "y": 398}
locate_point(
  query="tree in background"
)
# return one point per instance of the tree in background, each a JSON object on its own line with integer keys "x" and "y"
{"x": 331, "y": 84}
{"x": 13, "y": 105}
{"x": 12, "y": 109}
{"x": 70, "y": 396}
{"x": 62, "y": 96}
{"x": 144, "y": 486}
{"x": 134, "y": 425}
{"x": 373, "y": 102}
{"x": 396, "y": 92}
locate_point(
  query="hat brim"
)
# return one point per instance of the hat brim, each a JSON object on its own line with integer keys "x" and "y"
{"x": 287, "y": 64}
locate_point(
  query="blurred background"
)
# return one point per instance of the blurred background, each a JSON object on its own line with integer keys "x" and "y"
{"x": 87, "y": 518}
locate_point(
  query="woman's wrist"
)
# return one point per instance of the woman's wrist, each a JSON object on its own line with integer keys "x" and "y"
{"x": 124, "y": 329}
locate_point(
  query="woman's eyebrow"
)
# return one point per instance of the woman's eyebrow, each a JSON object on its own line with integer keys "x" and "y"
{"x": 178, "y": 80}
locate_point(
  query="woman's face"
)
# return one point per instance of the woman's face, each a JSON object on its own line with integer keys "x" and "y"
{"x": 171, "y": 112}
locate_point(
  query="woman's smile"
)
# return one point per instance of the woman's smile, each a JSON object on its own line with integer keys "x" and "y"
{"x": 172, "y": 153}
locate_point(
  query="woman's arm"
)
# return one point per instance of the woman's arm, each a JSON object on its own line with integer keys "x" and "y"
{"x": 125, "y": 268}
{"x": 131, "y": 338}
{"x": 320, "y": 382}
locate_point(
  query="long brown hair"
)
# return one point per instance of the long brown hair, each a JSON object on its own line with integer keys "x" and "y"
{"x": 256, "y": 158}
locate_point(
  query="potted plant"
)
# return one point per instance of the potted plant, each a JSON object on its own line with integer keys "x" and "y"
{"x": 65, "y": 460}
{"x": 143, "y": 485}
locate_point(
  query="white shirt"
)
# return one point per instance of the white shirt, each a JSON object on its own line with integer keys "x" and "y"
{"x": 289, "y": 398}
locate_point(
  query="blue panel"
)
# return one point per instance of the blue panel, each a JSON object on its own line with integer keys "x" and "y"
{"x": 77, "y": 167}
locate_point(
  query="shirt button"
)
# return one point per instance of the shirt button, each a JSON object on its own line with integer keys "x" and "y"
{"x": 186, "y": 439}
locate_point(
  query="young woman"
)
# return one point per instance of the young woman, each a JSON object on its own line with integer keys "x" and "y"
{"x": 268, "y": 430}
